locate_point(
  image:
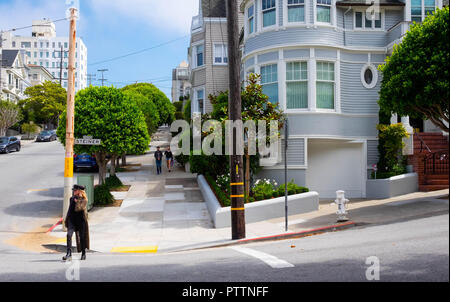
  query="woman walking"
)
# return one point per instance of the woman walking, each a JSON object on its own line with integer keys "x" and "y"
{"x": 169, "y": 158}
{"x": 76, "y": 221}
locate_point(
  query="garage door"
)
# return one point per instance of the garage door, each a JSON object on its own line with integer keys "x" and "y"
{"x": 335, "y": 165}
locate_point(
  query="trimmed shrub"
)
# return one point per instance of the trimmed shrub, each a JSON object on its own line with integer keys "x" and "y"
{"x": 113, "y": 182}
{"x": 102, "y": 195}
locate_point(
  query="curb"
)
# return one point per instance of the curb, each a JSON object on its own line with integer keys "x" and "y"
{"x": 55, "y": 225}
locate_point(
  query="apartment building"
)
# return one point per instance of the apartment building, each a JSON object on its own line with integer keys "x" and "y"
{"x": 181, "y": 86}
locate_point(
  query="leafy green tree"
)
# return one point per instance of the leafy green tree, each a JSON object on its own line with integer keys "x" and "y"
{"x": 9, "y": 116}
{"x": 29, "y": 128}
{"x": 108, "y": 114}
{"x": 166, "y": 110}
{"x": 148, "y": 108}
{"x": 416, "y": 77}
{"x": 45, "y": 104}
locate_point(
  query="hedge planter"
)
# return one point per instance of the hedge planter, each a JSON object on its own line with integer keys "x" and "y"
{"x": 392, "y": 186}
{"x": 259, "y": 210}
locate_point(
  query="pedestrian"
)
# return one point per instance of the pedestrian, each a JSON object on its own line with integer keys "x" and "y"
{"x": 77, "y": 222}
{"x": 158, "y": 158}
{"x": 169, "y": 159}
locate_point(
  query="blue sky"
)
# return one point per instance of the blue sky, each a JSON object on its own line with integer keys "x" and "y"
{"x": 112, "y": 28}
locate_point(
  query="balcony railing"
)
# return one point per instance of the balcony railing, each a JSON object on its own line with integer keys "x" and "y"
{"x": 437, "y": 163}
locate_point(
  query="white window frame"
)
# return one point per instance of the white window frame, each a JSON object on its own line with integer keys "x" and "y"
{"x": 363, "y": 21}
{"x": 223, "y": 56}
{"x": 278, "y": 63}
{"x": 196, "y": 108}
{"x": 306, "y": 5}
{"x": 332, "y": 13}
{"x": 194, "y": 55}
{"x": 374, "y": 74}
{"x": 247, "y": 19}
{"x": 423, "y": 14}
{"x": 293, "y": 110}
{"x": 261, "y": 26}
{"x": 335, "y": 109}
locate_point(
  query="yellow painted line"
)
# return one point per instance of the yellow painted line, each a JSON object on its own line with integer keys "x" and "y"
{"x": 135, "y": 249}
{"x": 237, "y": 184}
{"x": 237, "y": 209}
{"x": 37, "y": 190}
{"x": 237, "y": 196}
{"x": 60, "y": 240}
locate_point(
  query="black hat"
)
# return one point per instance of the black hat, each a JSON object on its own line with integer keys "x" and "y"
{"x": 78, "y": 187}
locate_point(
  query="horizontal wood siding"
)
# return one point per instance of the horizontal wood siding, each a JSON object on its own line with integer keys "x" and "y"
{"x": 391, "y": 18}
{"x": 355, "y": 98}
{"x": 296, "y": 53}
{"x": 270, "y": 56}
{"x": 372, "y": 152}
{"x": 295, "y": 152}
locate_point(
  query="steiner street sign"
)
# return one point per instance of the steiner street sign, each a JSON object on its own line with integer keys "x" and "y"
{"x": 87, "y": 140}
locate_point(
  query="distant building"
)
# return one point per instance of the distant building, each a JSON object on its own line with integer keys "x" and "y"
{"x": 180, "y": 82}
{"x": 43, "y": 48}
{"x": 13, "y": 75}
{"x": 38, "y": 75}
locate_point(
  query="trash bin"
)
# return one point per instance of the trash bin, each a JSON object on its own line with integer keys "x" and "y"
{"x": 88, "y": 182}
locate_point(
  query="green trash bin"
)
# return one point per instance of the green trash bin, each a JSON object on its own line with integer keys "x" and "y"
{"x": 88, "y": 182}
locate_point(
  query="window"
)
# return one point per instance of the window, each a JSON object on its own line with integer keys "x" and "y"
{"x": 13, "y": 44}
{"x": 220, "y": 54}
{"x": 53, "y": 44}
{"x": 251, "y": 19}
{"x": 269, "y": 82}
{"x": 296, "y": 10}
{"x": 26, "y": 45}
{"x": 296, "y": 85}
{"x": 325, "y": 85}
{"x": 324, "y": 11}
{"x": 369, "y": 76}
{"x": 371, "y": 21}
{"x": 421, "y": 8}
{"x": 42, "y": 44}
{"x": 65, "y": 45}
{"x": 200, "y": 99}
{"x": 269, "y": 13}
{"x": 198, "y": 55}
{"x": 41, "y": 54}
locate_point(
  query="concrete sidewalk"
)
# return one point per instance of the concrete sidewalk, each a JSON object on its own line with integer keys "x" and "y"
{"x": 164, "y": 213}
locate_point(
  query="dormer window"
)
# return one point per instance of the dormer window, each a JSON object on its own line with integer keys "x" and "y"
{"x": 269, "y": 13}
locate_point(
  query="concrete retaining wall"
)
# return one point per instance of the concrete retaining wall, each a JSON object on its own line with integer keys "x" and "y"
{"x": 393, "y": 186}
{"x": 260, "y": 210}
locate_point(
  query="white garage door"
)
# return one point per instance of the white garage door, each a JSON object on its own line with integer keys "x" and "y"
{"x": 335, "y": 165}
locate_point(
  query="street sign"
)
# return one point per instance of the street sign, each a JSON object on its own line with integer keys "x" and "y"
{"x": 88, "y": 140}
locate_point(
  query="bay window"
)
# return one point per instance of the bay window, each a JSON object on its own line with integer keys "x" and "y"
{"x": 325, "y": 85}
{"x": 269, "y": 13}
{"x": 421, "y": 8}
{"x": 324, "y": 11}
{"x": 198, "y": 55}
{"x": 269, "y": 82}
{"x": 296, "y": 10}
{"x": 296, "y": 85}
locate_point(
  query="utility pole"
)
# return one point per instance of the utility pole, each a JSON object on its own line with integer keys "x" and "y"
{"x": 235, "y": 110}
{"x": 90, "y": 77}
{"x": 103, "y": 75}
{"x": 68, "y": 169}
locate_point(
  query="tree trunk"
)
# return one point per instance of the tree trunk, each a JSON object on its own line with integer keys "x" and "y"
{"x": 124, "y": 159}
{"x": 112, "y": 170}
{"x": 102, "y": 163}
{"x": 247, "y": 176}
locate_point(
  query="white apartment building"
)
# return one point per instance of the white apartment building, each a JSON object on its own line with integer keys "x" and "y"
{"x": 43, "y": 48}
{"x": 180, "y": 81}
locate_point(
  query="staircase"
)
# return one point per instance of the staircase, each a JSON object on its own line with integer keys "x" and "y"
{"x": 433, "y": 174}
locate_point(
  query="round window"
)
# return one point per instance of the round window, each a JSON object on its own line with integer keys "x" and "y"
{"x": 369, "y": 76}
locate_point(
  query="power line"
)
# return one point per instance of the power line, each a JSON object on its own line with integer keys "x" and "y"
{"x": 138, "y": 52}
{"x": 30, "y": 26}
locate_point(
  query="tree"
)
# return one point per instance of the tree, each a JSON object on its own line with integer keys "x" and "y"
{"x": 9, "y": 116}
{"x": 416, "y": 77}
{"x": 108, "y": 114}
{"x": 45, "y": 104}
{"x": 29, "y": 128}
{"x": 166, "y": 110}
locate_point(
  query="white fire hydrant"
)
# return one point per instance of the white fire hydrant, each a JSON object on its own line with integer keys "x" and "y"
{"x": 341, "y": 202}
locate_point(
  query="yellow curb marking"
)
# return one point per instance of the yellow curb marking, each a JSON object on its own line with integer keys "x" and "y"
{"x": 60, "y": 240}
{"x": 37, "y": 190}
{"x": 135, "y": 249}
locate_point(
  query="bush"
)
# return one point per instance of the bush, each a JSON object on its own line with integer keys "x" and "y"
{"x": 293, "y": 188}
{"x": 113, "y": 182}
{"x": 221, "y": 195}
{"x": 102, "y": 196}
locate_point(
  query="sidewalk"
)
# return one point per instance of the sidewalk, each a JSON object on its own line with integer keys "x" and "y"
{"x": 164, "y": 213}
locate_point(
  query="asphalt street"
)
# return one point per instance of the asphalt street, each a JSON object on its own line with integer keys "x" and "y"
{"x": 416, "y": 250}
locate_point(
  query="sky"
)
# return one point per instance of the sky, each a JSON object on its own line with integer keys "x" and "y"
{"x": 114, "y": 28}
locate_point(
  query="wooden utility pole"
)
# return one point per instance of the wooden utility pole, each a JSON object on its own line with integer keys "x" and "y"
{"x": 70, "y": 125}
{"x": 234, "y": 109}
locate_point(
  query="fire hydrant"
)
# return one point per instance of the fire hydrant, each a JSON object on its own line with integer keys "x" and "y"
{"x": 341, "y": 202}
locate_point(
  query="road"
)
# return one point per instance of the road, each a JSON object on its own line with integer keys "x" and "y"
{"x": 31, "y": 194}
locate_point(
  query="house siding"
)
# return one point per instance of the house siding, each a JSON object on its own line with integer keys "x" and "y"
{"x": 295, "y": 152}
{"x": 372, "y": 152}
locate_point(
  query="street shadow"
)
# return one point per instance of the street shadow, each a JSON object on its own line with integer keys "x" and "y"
{"x": 37, "y": 209}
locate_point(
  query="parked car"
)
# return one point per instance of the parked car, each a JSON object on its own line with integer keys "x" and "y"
{"x": 46, "y": 136}
{"x": 9, "y": 143}
{"x": 84, "y": 161}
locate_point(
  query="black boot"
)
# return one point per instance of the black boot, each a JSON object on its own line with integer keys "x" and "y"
{"x": 68, "y": 256}
{"x": 83, "y": 255}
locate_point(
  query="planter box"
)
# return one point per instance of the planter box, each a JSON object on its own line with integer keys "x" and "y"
{"x": 393, "y": 186}
{"x": 259, "y": 210}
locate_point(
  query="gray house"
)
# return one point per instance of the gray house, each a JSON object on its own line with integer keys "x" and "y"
{"x": 319, "y": 59}
{"x": 208, "y": 53}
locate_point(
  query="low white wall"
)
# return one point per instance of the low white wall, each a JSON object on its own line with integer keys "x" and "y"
{"x": 393, "y": 186}
{"x": 259, "y": 210}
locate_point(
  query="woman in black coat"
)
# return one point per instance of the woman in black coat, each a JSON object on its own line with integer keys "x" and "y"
{"x": 76, "y": 221}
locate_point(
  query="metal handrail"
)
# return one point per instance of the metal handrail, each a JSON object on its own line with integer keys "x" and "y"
{"x": 422, "y": 143}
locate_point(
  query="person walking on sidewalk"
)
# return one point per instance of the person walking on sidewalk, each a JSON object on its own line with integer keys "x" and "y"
{"x": 76, "y": 221}
{"x": 158, "y": 158}
{"x": 169, "y": 159}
